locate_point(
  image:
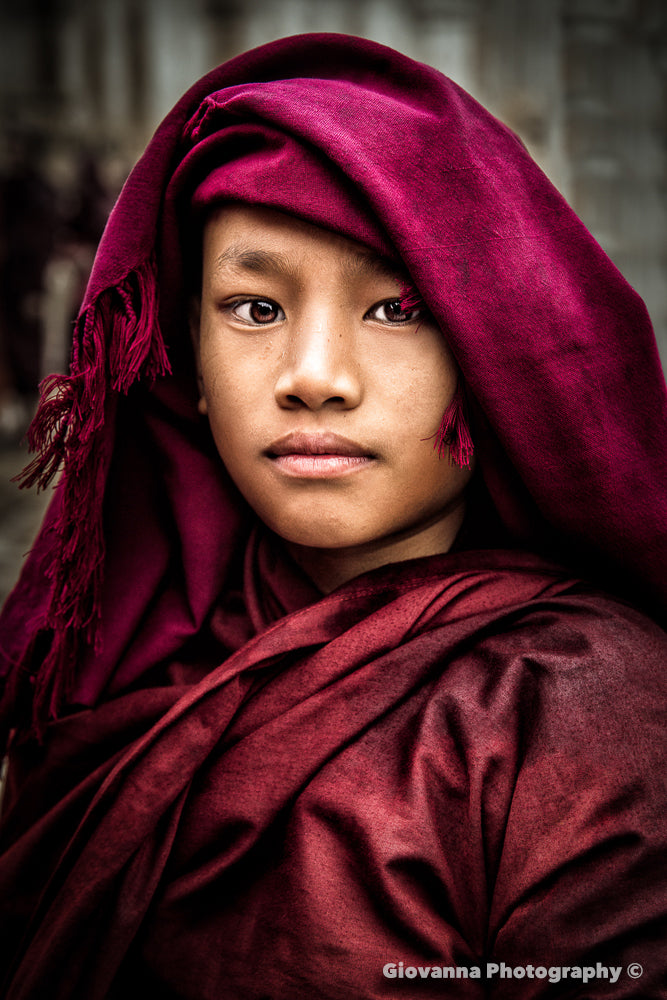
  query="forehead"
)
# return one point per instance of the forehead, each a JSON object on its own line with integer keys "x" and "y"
{"x": 255, "y": 239}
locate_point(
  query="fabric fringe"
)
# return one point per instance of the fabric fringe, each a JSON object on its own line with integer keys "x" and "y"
{"x": 117, "y": 341}
{"x": 410, "y": 297}
{"x": 454, "y": 433}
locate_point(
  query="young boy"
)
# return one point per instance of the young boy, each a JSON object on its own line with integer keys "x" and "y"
{"x": 312, "y": 686}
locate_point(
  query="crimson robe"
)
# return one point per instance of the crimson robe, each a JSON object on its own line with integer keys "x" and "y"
{"x": 449, "y": 762}
{"x": 245, "y": 789}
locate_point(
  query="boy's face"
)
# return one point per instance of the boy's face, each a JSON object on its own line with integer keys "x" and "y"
{"x": 323, "y": 398}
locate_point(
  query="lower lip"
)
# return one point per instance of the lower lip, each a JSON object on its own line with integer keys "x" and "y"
{"x": 320, "y": 466}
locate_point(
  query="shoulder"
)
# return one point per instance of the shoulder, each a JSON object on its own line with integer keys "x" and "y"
{"x": 582, "y": 666}
{"x": 583, "y": 833}
{"x": 559, "y": 692}
{"x": 508, "y": 629}
{"x": 584, "y": 641}
{"x": 562, "y": 628}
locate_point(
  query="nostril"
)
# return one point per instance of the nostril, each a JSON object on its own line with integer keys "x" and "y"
{"x": 294, "y": 400}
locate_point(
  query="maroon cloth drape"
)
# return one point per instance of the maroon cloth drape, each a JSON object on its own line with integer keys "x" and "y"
{"x": 244, "y": 789}
{"x": 439, "y": 764}
{"x": 567, "y": 394}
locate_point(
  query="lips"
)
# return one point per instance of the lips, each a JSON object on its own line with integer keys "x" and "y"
{"x": 318, "y": 456}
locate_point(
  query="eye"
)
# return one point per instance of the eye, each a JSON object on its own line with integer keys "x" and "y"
{"x": 391, "y": 311}
{"x": 257, "y": 312}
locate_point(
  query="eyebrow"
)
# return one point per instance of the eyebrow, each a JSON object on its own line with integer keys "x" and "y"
{"x": 240, "y": 257}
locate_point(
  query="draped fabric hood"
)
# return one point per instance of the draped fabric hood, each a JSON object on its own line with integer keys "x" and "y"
{"x": 447, "y": 763}
{"x": 566, "y": 391}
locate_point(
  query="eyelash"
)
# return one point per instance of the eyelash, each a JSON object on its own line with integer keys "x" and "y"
{"x": 409, "y": 315}
{"x": 234, "y": 306}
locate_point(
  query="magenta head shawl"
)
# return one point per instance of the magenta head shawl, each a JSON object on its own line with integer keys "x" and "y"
{"x": 567, "y": 394}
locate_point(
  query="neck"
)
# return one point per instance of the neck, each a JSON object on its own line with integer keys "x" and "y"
{"x": 330, "y": 568}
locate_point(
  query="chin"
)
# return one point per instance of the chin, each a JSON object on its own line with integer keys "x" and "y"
{"x": 316, "y": 533}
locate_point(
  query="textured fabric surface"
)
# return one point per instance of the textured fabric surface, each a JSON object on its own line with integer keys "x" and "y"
{"x": 252, "y": 790}
{"x": 432, "y": 765}
{"x": 555, "y": 348}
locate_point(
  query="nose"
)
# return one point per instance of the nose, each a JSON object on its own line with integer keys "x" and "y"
{"x": 319, "y": 368}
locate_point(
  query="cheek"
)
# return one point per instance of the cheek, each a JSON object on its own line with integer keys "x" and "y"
{"x": 421, "y": 394}
{"x": 232, "y": 364}
{"x": 228, "y": 396}
{"x": 217, "y": 367}
{"x": 227, "y": 372}
{"x": 421, "y": 397}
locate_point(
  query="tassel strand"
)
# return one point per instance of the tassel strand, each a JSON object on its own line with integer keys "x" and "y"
{"x": 454, "y": 433}
{"x": 117, "y": 341}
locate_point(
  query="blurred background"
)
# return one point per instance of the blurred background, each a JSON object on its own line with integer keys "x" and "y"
{"x": 83, "y": 84}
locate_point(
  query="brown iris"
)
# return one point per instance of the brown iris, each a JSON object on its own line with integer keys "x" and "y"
{"x": 263, "y": 311}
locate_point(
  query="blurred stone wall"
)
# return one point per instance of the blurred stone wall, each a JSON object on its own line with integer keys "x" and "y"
{"x": 582, "y": 81}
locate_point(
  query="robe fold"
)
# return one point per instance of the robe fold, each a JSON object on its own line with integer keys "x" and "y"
{"x": 447, "y": 777}
{"x": 430, "y": 766}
